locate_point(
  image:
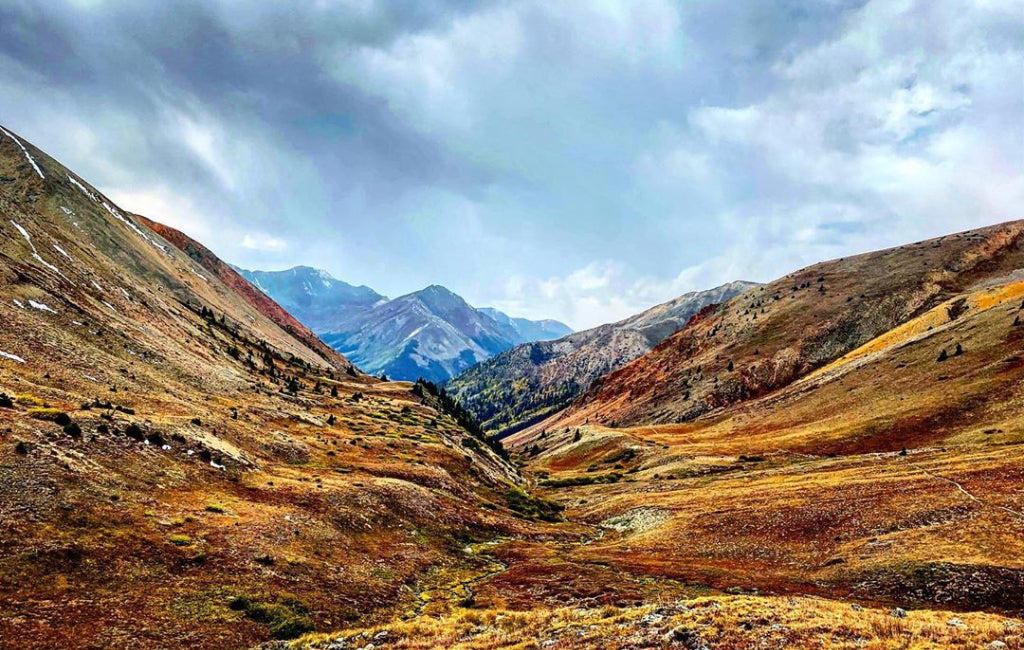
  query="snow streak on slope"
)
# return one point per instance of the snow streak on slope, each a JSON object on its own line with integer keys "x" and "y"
{"x": 24, "y": 150}
{"x": 35, "y": 253}
{"x": 75, "y": 182}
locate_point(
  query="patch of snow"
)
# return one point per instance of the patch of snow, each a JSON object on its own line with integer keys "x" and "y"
{"x": 20, "y": 304}
{"x": 215, "y": 465}
{"x": 190, "y": 452}
{"x": 95, "y": 284}
{"x": 86, "y": 192}
{"x": 12, "y": 357}
{"x": 109, "y": 305}
{"x": 200, "y": 275}
{"x": 68, "y": 212}
{"x": 41, "y": 306}
{"x": 24, "y": 233}
{"x": 39, "y": 259}
{"x": 77, "y": 322}
{"x": 62, "y": 252}
{"x": 24, "y": 151}
{"x": 166, "y": 447}
{"x": 128, "y": 222}
{"x": 35, "y": 253}
{"x": 128, "y": 297}
{"x": 91, "y": 378}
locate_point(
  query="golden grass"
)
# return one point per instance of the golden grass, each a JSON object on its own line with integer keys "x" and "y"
{"x": 735, "y": 622}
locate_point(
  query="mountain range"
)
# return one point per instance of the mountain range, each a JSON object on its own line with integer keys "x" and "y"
{"x": 432, "y": 333}
{"x": 536, "y": 379}
{"x": 833, "y": 459}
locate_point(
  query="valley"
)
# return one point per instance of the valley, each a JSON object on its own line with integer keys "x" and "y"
{"x": 834, "y": 459}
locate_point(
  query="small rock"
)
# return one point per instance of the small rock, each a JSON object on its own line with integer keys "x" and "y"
{"x": 651, "y": 619}
{"x": 857, "y": 608}
{"x": 996, "y": 645}
{"x": 898, "y": 612}
{"x": 685, "y": 637}
{"x": 955, "y": 622}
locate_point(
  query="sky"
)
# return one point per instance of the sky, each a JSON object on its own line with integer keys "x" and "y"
{"x": 573, "y": 160}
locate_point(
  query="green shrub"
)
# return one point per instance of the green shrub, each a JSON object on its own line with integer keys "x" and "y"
{"x": 287, "y": 619}
{"x": 531, "y": 506}
{"x": 214, "y": 507}
{"x": 240, "y": 603}
{"x": 180, "y": 540}
{"x": 574, "y": 481}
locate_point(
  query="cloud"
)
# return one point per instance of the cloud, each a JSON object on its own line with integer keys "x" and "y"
{"x": 579, "y": 161}
{"x": 260, "y": 241}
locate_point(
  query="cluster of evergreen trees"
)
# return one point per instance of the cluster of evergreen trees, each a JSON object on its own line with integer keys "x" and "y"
{"x": 430, "y": 392}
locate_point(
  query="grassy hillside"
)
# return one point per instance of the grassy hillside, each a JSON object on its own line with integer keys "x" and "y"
{"x": 891, "y": 474}
{"x": 180, "y": 465}
{"x": 782, "y": 331}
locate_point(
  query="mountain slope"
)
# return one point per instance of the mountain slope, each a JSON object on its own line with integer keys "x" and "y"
{"x": 181, "y": 464}
{"x": 242, "y": 286}
{"x": 536, "y": 379}
{"x": 882, "y": 461}
{"x": 782, "y": 331}
{"x": 313, "y": 296}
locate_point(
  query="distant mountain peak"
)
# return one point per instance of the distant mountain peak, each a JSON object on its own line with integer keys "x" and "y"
{"x": 438, "y": 292}
{"x": 431, "y": 333}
